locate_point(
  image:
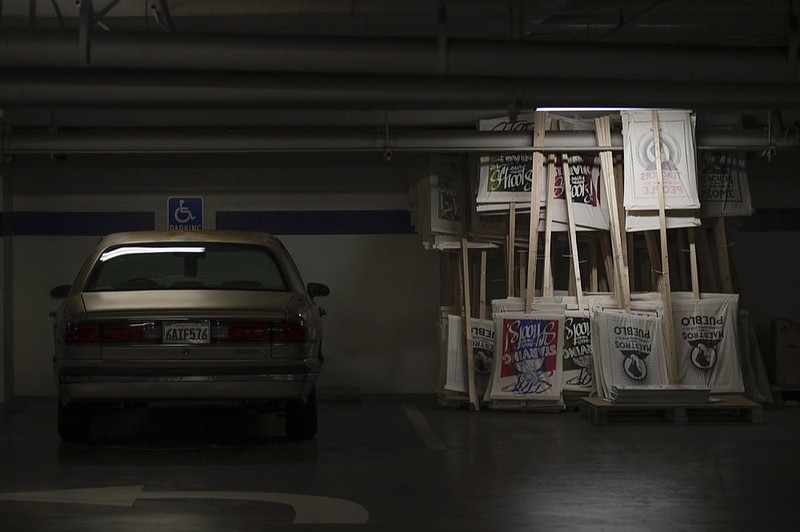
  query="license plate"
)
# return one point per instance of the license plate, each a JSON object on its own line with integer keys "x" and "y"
{"x": 186, "y": 332}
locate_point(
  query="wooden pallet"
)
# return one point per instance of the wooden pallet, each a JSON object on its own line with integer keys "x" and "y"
{"x": 573, "y": 399}
{"x": 725, "y": 408}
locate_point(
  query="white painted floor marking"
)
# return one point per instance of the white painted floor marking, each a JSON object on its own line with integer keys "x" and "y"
{"x": 309, "y": 509}
{"x": 423, "y": 428}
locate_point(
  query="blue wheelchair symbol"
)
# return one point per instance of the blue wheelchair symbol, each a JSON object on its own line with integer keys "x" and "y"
{"x": 182, "y": 214}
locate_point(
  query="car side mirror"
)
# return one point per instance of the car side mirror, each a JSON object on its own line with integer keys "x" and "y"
{"x": 317, "y": 290}
{"x": 60, "y": 292}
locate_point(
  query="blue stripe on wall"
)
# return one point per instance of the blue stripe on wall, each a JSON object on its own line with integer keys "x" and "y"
{"x": 372, "y": 222}
{"x": 32, "y": 223}
{"x": 80, "y": 223}
{"x": 318, "y": 222}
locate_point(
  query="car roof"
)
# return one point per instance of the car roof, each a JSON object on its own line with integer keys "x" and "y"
{"x": 146, "y": 237}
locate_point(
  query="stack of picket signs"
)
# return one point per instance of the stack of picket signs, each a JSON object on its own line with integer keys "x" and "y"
{"x": 722, "y": 175}
{"x": 630, "y": 349}
{"x": 527, "y": 364}
{"x": 535, "y": 356}
{"x": 679, "y": 170}
{"x": 654, "y": 347}
{"x": 505, "y": 179}
{"x": 518, "y": 355}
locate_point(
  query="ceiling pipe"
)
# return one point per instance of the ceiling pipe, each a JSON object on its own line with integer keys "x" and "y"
{"x": 395, "y": 56}
{"x": 36, "y": 87}
{"x": 344, "y": 140}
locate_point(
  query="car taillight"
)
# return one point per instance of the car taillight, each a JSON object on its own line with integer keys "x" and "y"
{"x": 82, "y": 333}
{"x": 242, "y": 332}
{"x": 131, "y": 333}
{"x": 288, "y": 332}
{"x": 261, "y": 332}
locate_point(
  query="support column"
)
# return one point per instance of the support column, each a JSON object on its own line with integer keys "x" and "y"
{"x": 7, "y": 333}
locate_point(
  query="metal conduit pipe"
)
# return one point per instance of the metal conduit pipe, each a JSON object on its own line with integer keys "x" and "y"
{"x": 95, "y": 87}
{"x": 263, "y": 141}
{"x": 396, "y": 56}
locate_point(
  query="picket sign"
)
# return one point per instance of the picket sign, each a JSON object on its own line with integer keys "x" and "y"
{"x": 666, "y": 289}
{"x": 527, "y": 364}
{"x": 678, "y": 168}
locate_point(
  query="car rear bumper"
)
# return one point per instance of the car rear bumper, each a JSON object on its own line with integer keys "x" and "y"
{"x": 251, "y": 383}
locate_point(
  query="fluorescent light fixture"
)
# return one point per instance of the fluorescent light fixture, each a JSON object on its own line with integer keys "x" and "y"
{"x": 139, "y": 250}
{"x": 588, "y": 109}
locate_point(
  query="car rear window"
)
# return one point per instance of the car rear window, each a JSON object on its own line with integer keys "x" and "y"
{"x": 186, "y": 266}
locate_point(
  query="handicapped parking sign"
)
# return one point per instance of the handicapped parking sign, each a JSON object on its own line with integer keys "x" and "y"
{"x": 185, "y": 214}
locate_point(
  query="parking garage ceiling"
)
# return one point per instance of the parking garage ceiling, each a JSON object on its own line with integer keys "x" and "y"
{"x": 347, "y": 68}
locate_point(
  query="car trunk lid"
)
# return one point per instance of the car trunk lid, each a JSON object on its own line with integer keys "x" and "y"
{"x": 192, "y": 325}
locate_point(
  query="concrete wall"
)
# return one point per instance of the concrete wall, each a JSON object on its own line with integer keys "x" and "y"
{"x": 766, "y": 248}
{"x": 381, "y": 331}
{"x": 4, "y": 372}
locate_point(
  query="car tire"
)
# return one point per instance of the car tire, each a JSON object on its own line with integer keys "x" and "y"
{"x": 301, "y": 417}
{"x": 74, "y": 421}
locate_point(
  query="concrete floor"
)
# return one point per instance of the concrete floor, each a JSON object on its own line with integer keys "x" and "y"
{"x": 400, "y": 463}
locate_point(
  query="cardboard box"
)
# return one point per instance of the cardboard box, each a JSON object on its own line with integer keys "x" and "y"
{"x": 786, "y": 353}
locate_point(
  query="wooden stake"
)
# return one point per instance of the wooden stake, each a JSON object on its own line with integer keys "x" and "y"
{"x": 666, "y": 294}
{"x": 547, "y": 274}
{"x": 653, "y": 256}
{"x": 572, "y": 287}
{"x": 473, "y": 396}
{"x": 709, "y": 279}
{"x": 511, "y": 248}
{"x": 630, "y": 256}
{"x": 683, "y": 245}
{"x": 608, "y": 262}
{"x": 537, "y": 162}
{"x": 722, "y": 255}
{"x": 482, "y": 301}
{"x": 594, "y": 284}
{"x": 603, "y": 132}
{"x": 619, "y": 181}
{"x": 693, "y": 264}
{"x": 573, "y": 237}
